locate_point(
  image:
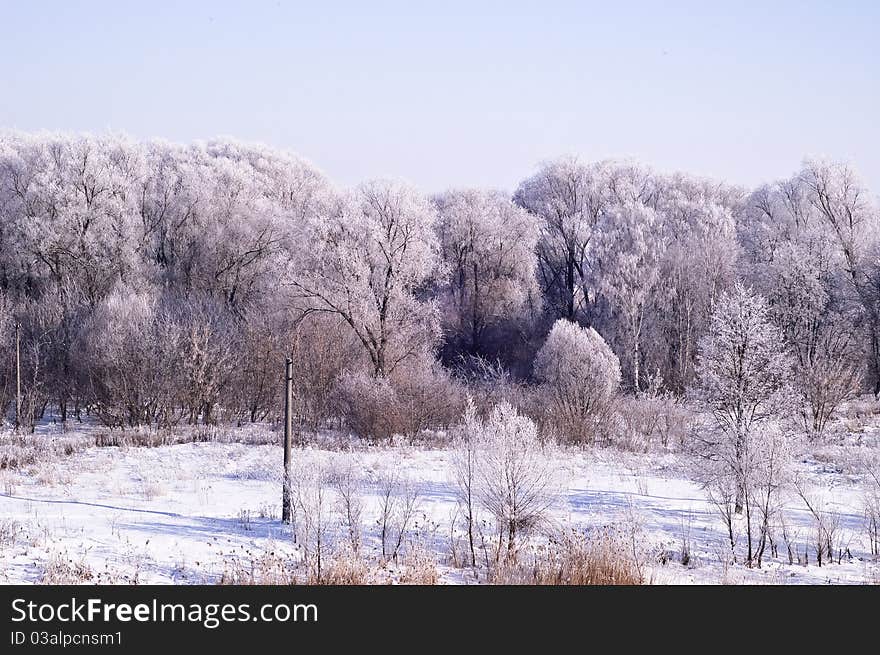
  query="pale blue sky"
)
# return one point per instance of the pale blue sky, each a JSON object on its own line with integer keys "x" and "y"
{"x": 461, "y": 93}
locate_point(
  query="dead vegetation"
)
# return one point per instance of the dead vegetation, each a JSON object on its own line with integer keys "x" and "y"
{"x": 18, "y": 451}
{"x": 598, "y": 558}
{"x": 344, "y": 567}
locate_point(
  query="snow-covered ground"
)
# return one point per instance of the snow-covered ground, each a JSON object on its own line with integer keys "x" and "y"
{"x": 189, "y": 513}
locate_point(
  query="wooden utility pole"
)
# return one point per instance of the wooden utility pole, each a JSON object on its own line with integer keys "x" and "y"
{"x": 17, "y": 375}
{"x": 288, "y": 438}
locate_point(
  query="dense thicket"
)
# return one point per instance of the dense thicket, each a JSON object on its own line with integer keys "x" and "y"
{"x": 157, "y": 283}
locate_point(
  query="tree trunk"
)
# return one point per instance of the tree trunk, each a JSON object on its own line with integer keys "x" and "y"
{"x": 636, "y": 375}
{"x": 470, "y": 503}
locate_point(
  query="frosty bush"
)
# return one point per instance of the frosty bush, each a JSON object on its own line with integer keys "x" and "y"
{"x": 579, "y": 376}
{"x": 368, "y": 405}
{"x": 428, "y": 397}
{"x": 348, "y": 484}
{"x": 464, "y": 469}
{"x": 418, "y": 397}
{"x": 650, "y": 421}
{"x": 398, "y": 503}
{"x": 128, "y": 347}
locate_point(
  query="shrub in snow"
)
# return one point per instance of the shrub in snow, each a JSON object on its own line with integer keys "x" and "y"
{"x": 651, "y": 421}
{"x": 367, "y": 404}
{"x": 418, "y": 397}
{"x": 313, "y": 513}
{"x": 428, "y": 397}
{"x": 579, "y": 376}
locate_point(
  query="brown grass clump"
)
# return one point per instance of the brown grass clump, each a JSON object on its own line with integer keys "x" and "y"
{"x": 346, "y": 569}
{"x": 575, "y": 559}
{"x": 421, "y": 568}
{"x": 274, "y": 569}
{"x": 343, "y": 568}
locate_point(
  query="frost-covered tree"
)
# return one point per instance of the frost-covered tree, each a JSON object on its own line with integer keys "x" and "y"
{"x": 216, "y": 217}
{"x": 792, "y": 257}
{"x": 487, "y": 245}
{"x": 570, "y": 197}
{"x": 254, "y": 197}
{"x": 64, "y": 320}
{"x": 579, "y": 376}
{"x": 743, "y": 373}
{"x": 206, "y": 337}
{"x": 839, "y": 196}
{"x": 466, "y": 439}
{"x": 130, "y": 350}
{"x": 313, "y": 513}
{"x": 753, "y": 488}
{"x": 68, "y": 201}
{"x": 323, "y": 347}
{"x": 366, "y": 262}
{"x": 156, "y": 359}
{"x": 627, "y": 257}
{"x": 698, "y": 264}
{"x": 851, "y": 217}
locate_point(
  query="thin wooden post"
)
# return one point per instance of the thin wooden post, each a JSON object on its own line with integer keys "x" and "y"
{"x": 288, "y": 438}
{"x": 17, "y": 375}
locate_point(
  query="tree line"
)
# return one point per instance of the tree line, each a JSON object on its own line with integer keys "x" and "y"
{"x": 159, "y": 284}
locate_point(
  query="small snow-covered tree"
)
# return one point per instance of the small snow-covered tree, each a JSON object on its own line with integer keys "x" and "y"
{"x": 349, "y": 486}
{"x": 313, "y": 513}
{"x": 514, "y": 478}
{"x": 743, "y": 373}
{"x": 753, "y": 488}
{"x": 399, "y": 498}
{"x": 872, "y": 503}
{"x": 579, "y": 376}
{"x": 464, "y": 468}
{"x": 770, "y": 472}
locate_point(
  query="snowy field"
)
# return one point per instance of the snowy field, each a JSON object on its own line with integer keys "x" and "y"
{"x": 198, "y": 512}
